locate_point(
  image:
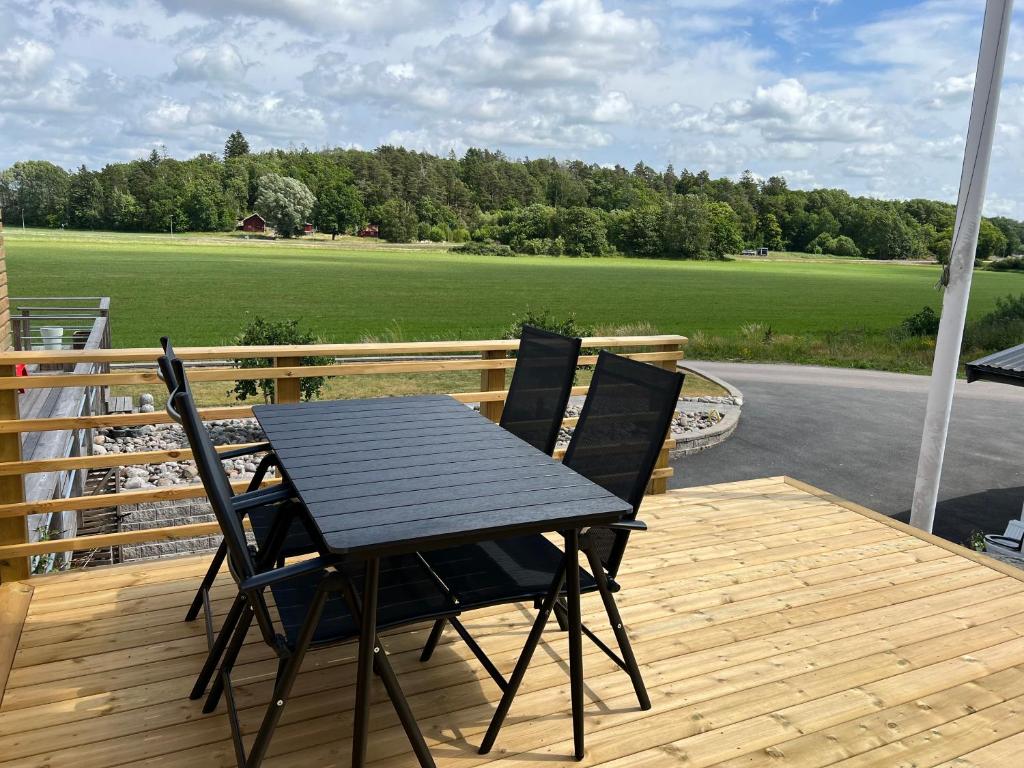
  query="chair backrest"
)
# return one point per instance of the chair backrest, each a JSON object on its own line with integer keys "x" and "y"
{"x": 165, "y": 364}
{"x": 620, "y": 432}
{"x": 540, "y": 387}
{"x": 181, "y": 407}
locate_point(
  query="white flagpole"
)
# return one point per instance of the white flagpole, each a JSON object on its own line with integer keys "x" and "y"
{"x": 973, "y": 179}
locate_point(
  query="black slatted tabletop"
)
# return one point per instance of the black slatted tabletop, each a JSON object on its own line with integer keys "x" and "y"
{"x": 411, "y": 473}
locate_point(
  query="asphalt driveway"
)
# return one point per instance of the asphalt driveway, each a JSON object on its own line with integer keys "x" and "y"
{"x": 857, "y": 434}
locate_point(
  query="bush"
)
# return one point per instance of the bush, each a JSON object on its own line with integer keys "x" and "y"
{"x": 923, "y": 323}
{"x": 1010, "y": 263}
{"x": 540, "y": 246}
{"x": 567, "y": 326}
{"x": 482, "y": 249}
{"x": 261, "y": 332}
{"x": 460, "y": 235}
{"x": 1001, "y": 328}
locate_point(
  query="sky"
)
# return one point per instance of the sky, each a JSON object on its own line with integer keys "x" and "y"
{"x": 866, "y": 95}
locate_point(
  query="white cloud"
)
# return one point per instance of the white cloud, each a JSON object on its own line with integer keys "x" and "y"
{"x": 222, "y": 62}
{"x": 23, "y": 60}
{"x": 317, "y": 17}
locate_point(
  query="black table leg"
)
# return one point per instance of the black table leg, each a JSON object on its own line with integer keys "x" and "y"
{"x": 364, "y": 666}
{"x": 572, "y": 598}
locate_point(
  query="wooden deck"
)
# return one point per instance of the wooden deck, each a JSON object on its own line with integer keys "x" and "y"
{"x": 776, "y": 625}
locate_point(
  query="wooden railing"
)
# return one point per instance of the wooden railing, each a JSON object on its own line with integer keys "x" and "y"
{"x": 490, "y": 358}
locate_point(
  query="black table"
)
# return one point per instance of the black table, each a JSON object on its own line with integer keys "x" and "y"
{"x": 406, "y": 474}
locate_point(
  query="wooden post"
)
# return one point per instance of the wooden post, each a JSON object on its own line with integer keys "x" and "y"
{"x": 13, "y": 530}
{"x": 660, "y": 484}
{"x": 493, "y": 380}
{"x": 288, "y": 390}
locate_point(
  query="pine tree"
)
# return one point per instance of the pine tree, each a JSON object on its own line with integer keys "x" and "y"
{"x": 235, "y": 146}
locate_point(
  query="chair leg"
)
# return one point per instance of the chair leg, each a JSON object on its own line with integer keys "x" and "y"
{"x": 230, "y": 657}
{"x": 285, "y": 680}
{"x": 562, "y": 615}
{"x": 217, "y": 650}
{"x": 519, "y": 672}
{"x": 405, "y": 715}
{"x": 621, "y": 636}
{"x": 207, "y": 582}
{"x": 432, "y": 639}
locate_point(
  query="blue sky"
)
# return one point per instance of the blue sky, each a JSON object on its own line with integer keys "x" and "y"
{"x": 871, "y": 96}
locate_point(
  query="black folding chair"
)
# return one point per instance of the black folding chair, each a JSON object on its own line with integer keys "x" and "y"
{"x": 620, "y": 432}
{"x": 261, "y": 516}
{"x": 540, "y": 387}
{"x": 316, "y": 601}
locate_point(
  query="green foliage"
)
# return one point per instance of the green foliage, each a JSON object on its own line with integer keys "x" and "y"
{"x": 770, "y": 233}
{"x": 284, "y": 202}
{"x": 685, "y": 228}
{"x": 548, "y": 321}
{"x": 837, "y": 246}
{"x": 483, "y": 249}
{"x": 338, "y": 207}
{"x": 923, "y": 323}
{"x": 725, "y": 236}
{"x": 261, "y": 332}
{"x": 991, "y": 241}
{"x": 235, "y": 146}
{"x": 1009, "y": 264}
{"x": 484, "y": 196}
{"x": 396, "y": 220}
{"x": 583, "y": 232}
{"x": 1001, "y": 328}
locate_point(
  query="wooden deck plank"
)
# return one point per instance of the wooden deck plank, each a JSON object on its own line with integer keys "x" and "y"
{"x": 774, "y": 623}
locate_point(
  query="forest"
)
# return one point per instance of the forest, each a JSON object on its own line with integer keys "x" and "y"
{"x": 532, "y": 206}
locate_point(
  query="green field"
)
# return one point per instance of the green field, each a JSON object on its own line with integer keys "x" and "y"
{"x": 200, "y": 288}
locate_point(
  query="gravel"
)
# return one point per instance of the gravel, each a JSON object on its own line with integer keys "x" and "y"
{"x": 169, "y": 437}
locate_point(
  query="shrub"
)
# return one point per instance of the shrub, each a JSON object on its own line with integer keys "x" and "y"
{"x": 261, "y": 332}
{"x": 543, "y": 318}
{"x": 1010, "y": 263}
{"x": 923, "y": 323}
{"x": 844, "y": 246}
{"x": 460, "y": 235}
{"x": 1002, "y": 327}
{"x": 483, "y": 249}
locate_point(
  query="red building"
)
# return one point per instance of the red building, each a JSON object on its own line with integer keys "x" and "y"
{"x": 368, "y": 231}
{"x": 253, "y": 223}
{"x": 307, "y": 228}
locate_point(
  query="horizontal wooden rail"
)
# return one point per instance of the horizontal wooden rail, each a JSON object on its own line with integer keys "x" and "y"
{"x": 146, "y": 535}
{"x": 106, "y": 460}
{"x": 149, "y": 354}
{"x": 286, "y": 370}
{"x": 292, "y": 372}
{"x": 168, "y": 493}
{"x": 100, "y": 500}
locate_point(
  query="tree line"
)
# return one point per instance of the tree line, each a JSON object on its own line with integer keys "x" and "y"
{"x": 531, "y": 205}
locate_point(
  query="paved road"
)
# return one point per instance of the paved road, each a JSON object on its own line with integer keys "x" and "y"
{"x": 857, "y": 434}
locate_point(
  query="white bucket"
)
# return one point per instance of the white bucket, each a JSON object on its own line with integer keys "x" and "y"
{"x": 53, "y": 337}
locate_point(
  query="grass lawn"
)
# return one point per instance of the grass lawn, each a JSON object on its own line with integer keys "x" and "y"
{"x": 199, "y": 288}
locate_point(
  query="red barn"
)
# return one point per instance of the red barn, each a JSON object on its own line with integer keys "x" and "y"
{"x": 369, "y": 231}
{"x": 307, "y": 228}
{"x": 254, "y": 223}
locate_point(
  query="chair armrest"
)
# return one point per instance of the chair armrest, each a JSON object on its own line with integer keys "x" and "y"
{"x": 263, "y": 580}
{"x": 250, "y": 499}
{"x": 234, "y": 453}
{"x": 625, "y": 525}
